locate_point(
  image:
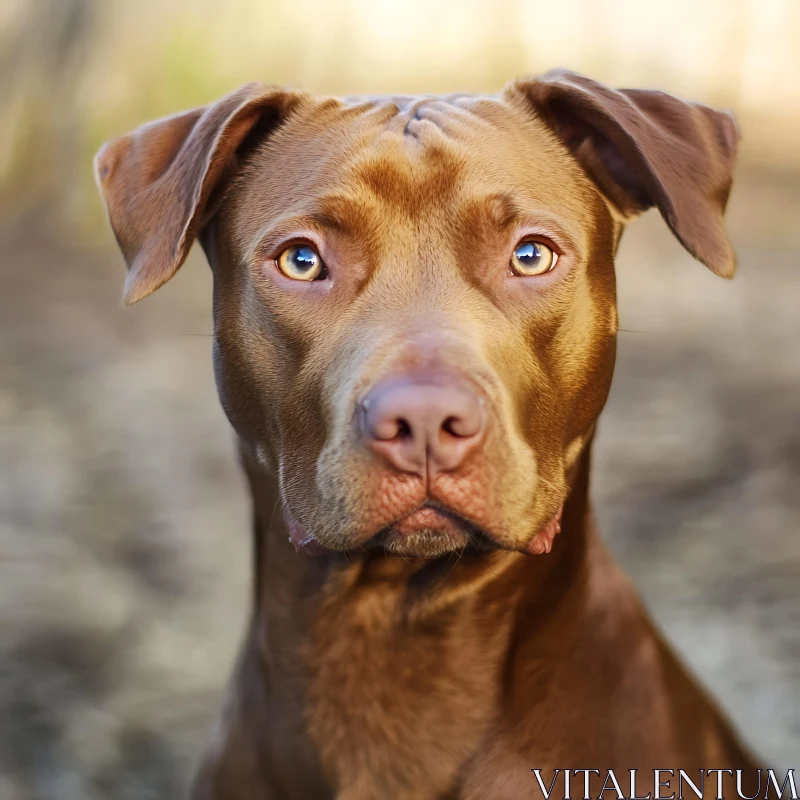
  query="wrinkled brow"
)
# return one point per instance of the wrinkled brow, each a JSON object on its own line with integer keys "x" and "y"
{"x": 501, "y": 209}
{"x": 343, "y": 215}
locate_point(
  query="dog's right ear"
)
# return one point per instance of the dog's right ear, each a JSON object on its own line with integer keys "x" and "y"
{"x": 158, "y": 182}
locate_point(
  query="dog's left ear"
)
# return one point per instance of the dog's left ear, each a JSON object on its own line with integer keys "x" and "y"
{"x": 647, "y": 148}
{"x": 159, "y": 182}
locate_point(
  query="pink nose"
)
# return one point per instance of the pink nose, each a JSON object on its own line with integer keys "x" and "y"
{"x": 423, "y": 424}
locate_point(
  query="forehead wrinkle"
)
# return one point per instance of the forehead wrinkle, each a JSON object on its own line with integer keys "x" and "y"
{"x": 411, "y": 183}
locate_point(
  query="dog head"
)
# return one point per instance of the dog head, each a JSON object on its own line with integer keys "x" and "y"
{"x": 414, "y": 298}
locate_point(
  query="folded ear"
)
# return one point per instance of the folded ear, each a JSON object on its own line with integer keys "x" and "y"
{"x": 647, "y": 148}
{"x": 158, "y": 182}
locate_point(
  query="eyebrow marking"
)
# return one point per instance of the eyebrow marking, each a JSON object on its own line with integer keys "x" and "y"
{"x": 503, "y": 209}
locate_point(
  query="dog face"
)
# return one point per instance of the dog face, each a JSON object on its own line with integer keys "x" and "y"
{"x": 414, "y": 302}
{"x": 416, "y": 210}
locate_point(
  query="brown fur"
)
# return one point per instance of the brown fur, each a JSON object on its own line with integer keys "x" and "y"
{"x": 365, "y": 675}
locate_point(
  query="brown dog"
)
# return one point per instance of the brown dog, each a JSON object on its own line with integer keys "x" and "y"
{"x": 415, "y": 326}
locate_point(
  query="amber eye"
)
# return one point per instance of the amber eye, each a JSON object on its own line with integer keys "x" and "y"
{"x": 301, "y": 262}
{"x": 532, "y": 258}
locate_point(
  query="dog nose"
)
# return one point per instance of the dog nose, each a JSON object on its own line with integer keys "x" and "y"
{"x": 423, "y": 425}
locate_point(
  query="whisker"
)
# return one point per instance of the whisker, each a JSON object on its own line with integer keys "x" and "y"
{"x": 549, "y": 484}
{"x": 455, "y": 564}
{"x": 272, "y": 515}
{"x": 489, "y": 564}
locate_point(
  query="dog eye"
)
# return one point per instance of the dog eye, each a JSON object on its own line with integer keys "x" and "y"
{"x": 301, "y": 262}
{"x": 532, "y": 258}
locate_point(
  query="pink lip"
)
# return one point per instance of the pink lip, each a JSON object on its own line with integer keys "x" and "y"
{"x": 427, "y": 518}
{"x": 301, "y": 540}
{"x": 543, "y": 541}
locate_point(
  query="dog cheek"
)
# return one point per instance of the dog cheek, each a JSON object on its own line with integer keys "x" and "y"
{"x": 302, "y": 441}
{"x": 245, "y": 379}
{"x": 593, "y": 384}
{"x": 581, "y": 359}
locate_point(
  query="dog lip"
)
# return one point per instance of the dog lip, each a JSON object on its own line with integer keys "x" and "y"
{"x": 429, "y": 515}
{"x": 428, "y": 531}
{"x": 301, "y": 540}
{"x": 434, "y": 520}
{"x": 542, "y": 542}
{"x": 431, "y": 510}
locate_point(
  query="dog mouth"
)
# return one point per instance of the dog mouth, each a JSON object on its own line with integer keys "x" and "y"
{"x": 430, "y": 531}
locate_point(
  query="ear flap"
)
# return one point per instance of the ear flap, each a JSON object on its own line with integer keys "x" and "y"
{"x": 647, "y": 148}
{"x": 157, "y": 182}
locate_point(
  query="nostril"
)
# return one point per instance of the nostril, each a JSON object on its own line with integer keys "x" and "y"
{"x": 403, "y": 429}
{"x": 455, "y": 427}
{"x": 387, "y": 429}
{"x": 459, "y": 427}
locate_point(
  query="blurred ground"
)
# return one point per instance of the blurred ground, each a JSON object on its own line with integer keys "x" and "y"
{"x": 124, "y": 526}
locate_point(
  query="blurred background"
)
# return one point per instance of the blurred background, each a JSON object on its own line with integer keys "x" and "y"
{"x": 124, "y": 525}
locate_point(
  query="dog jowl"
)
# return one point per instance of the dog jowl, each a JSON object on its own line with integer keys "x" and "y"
{"x": 414, "y": 335}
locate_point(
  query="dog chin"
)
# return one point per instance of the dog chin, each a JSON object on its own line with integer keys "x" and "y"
{"x": 425, "y": 543}
{"x": 429, "y": 532}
